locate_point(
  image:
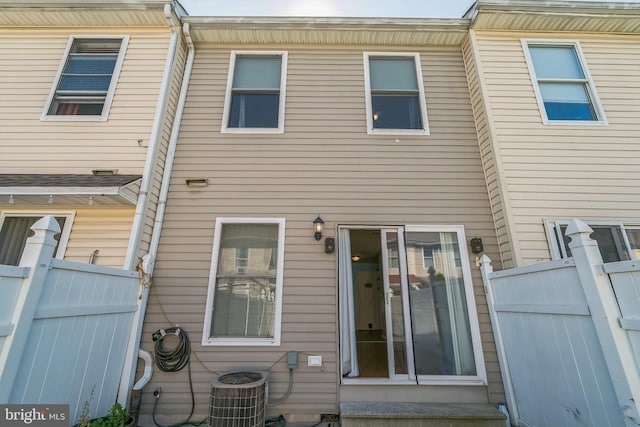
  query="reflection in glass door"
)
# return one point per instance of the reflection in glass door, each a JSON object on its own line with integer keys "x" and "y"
{"x": 406, "y": 304}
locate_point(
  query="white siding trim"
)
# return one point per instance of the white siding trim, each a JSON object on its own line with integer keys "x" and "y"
{"x": 593, "y": 95}
{"x": 112, "y": 86}
{"x": 283, "y": 93}
{"x": 421, "y": 96}
{"x": 207, "y": 340}
{"x": 65, "y": 233}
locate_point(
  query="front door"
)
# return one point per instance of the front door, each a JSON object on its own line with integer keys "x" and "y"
{"x": 406, "y": 305}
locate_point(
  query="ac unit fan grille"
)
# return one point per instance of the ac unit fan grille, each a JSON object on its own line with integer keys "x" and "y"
{"x": 238, "y": 399}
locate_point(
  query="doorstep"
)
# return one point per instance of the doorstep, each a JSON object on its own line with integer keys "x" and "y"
{"x": 385, "y": 414}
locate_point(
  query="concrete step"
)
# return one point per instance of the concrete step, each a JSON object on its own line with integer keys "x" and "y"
{"x": 385, "y": 414}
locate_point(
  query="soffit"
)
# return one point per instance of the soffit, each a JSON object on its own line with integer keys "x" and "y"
{"x": 328, "y": 31}
{"x": 526, "y": 15}
{"x": 82, "y": 14}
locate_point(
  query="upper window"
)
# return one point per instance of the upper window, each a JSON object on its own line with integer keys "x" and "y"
{"x": 255, "y": 92}
{"x": 616, "y": 241}
{"x": 15, "y": 228}
{"x": 245, "y": 285}
{"x": 563, "y": 87}
{"x": 395, "y": 94}
{"x": 86, "y": 79}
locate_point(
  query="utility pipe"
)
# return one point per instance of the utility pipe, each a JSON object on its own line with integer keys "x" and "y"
{"x": 136, "y": 332}
{"x": 154, "y": 142}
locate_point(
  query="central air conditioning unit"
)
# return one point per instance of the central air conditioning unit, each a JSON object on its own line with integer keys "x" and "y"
{"x": 239, "y": 399}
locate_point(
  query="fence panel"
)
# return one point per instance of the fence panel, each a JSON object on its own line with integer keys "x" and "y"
{"x": 76, "y": 346}
{"x": 10, "y": 282}
{"x": 625, "y": 279}
{"x": 556, "y": 368}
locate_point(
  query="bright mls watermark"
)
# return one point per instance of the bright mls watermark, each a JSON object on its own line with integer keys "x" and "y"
{"x": 34, "y": 415}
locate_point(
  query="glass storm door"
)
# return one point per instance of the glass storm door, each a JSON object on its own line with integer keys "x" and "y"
{"x": 407, "y": 311}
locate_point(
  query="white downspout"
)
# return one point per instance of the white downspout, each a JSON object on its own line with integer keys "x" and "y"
{"x": 129, "y": 370}
{"x": 138, "y": 219}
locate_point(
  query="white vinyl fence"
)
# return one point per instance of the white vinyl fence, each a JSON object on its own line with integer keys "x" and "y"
{"x": 568, "y": 337}
{"x": 64, "y": 328}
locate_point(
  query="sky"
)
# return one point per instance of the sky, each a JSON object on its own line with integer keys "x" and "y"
{"x": 349, "y": 8}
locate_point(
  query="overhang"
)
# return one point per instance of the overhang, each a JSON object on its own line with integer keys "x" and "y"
{"x": 89, "y": 13}
{"x": 68, "y": 190}
{"x": 555, "y": 15}
{"x": 327, "y": 31}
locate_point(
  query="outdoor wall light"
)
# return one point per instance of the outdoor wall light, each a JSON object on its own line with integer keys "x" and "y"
{"x": 318, "y": 226}
{"x": 476, "y": 245}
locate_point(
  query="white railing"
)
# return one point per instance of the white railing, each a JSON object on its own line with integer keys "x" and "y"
{"x": 568, "y": 337}
{"x": 63, "y": 329}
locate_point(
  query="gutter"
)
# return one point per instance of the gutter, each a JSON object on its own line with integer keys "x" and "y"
{"x": 154, "y": 142}
{"x": 129, "y": 370}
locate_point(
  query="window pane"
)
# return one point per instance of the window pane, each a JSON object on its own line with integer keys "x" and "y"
{"x": 254, "y": 110}
{"x": 85, "y": 83}
{"x": 610, "y": 242}
{"x": 556, "y": 62}
{"x": 88, "y": 71}
{"x": 634, "y": 240}
{"x": 13, "y": 237}
{"x": 441, "y": 330}
{"x": 396, "y": 112}
{"x": 567, "y": 101}
{"x": 244, "y": 299}
{"x": 393, "y": 74}
{"x": 91, "y": 64}
{"x": 257, "y": 73}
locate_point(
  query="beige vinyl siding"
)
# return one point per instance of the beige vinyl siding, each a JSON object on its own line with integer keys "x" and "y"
{"x": 488, "y": 152}
{"x": 163, "y": 146}
{"x": 104, "y": 229}
{"x": 324, "y": 163}
{"x": 554, "y": 171}
{"x": 30, "y": 61}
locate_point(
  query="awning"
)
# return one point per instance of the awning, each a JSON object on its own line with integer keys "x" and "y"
{"x": 68, "y": 190}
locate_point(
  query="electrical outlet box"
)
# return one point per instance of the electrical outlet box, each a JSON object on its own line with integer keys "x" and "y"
{"x": 314, "y": 361}
{"x": 292, "y": 359}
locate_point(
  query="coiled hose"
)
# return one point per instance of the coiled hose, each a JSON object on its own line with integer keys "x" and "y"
{"x": 173, "y": 359}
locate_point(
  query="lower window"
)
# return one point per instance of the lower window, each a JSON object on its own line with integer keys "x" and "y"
{"x": 15, "y": 228}
{"x": 245, "y": 286}
{"x": 616, "y": 241}
{"x": 407, "y": 310}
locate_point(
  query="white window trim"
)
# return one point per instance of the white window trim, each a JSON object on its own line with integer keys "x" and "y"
{"x": 552, "y": 228}
{"x": 474, "y": 324}
{"x": 207, "y": 340}
{"x": 112, "y": 87}
{"x": 421, "y": 96}
{"x": 65, "y": 233}
{"x": 591, "y": 89}
{"x": 283, "y": 93}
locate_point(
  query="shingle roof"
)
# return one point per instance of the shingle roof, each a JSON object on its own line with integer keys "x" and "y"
{"x": 65, "y": 180}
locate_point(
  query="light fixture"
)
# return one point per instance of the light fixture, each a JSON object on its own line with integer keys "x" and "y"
{"x": 355, "y": 258}
{"x": 50, "y": 200}
{"x": 10, "y": 199}
{"x": 318, "y": 226}
{"x": 197, "y": 182}
{"x": 376, "y": 116}
{"x": 90, "y": 200}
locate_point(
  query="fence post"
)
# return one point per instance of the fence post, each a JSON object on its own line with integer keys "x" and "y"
{"x": 604, "y": 310}
{"x": 485, "y": 270}
{"x": 37, "y": 256}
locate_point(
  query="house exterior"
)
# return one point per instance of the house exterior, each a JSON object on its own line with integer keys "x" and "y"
{"x": 89, "y": 94}
{"x": 555, "y": 90}
{"x": 366, "y": 129}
